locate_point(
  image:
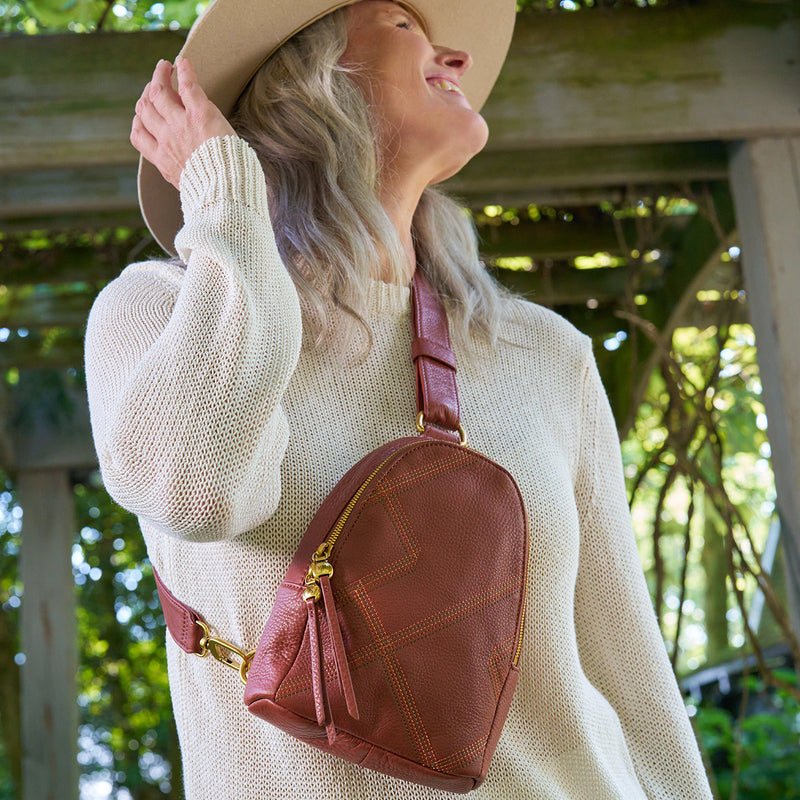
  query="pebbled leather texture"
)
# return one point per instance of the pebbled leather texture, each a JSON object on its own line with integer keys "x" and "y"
{"x": 180, "y": 619}
{"x": 434, "y": 361}
{"x": 429, "y": 579}
{"x": 408, "y": 666}
{"x": 339, "y": 651}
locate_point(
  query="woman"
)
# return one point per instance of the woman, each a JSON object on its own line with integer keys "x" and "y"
{"x": 231, "y": 390}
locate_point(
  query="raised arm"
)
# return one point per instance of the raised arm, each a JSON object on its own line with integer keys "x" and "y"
{"x": 186, "y": 367}
{"x": 620, "y": 645}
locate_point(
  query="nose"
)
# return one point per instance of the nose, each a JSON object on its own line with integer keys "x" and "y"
{"x": 457, "y": 60}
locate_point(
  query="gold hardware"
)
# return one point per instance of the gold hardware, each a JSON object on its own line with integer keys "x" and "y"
{"x": 421, "y": 425}
{"x": 320, "y": 568}
{"x": 223, "y": 651}
{"x": 521, "y": 633}
{"x": 320, "y": 564}
{"x": 312, "y": 591}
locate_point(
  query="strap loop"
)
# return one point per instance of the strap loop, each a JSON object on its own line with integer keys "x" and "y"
{"x": 430, "y": 349}
{"x": 422, "y": 426}
{"x": 435, "y": 365}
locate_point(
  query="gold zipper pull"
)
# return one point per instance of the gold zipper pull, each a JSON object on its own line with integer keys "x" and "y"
{"x": 319, "y": 566}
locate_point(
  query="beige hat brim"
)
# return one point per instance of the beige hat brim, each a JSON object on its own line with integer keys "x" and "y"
{"x": 233, "y": 38}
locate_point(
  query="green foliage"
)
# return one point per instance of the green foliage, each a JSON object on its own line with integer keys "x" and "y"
{"x": 697, "y": 462}
{"x": 756, "y": 757}
{"x": 10, "y": 593}
{"x": 582, "y": 5}
{"x": 126, "y": 735}
{"x": 84, "y": 16}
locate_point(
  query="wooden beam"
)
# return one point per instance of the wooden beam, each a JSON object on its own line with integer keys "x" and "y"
{"x": 570, "y": 287}
{"x": 83, "y": 260}
{"x": 765, "y": 178}
{"x": 718, "y": 71}
{"x": 49, "y": 637}
{"x": 43, "y": 193}
{"x": 105, "y": 195}
{"x": 74, "y": 260}
{"x": 564, "y": 239}
{"x": 64, "y": 350}
{"x": 494, "y": 176}
{"x": 49, "y": 424}
{"x": 46, "y": 309}
{"x": 566, "y": 287}
{"x": 67, "y": 100}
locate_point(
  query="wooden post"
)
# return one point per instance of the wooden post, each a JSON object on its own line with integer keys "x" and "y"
{"x": 49, "y": 637}
{"x": 765, "y": 178}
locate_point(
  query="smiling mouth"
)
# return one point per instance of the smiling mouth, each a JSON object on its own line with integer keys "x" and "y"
{"x": 445, "y": 85}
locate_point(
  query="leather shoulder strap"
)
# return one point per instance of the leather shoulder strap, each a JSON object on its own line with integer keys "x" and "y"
{"x": 434, "y": 360}
{"x": 437, "y": 399}
{"x": 181, "y": 620}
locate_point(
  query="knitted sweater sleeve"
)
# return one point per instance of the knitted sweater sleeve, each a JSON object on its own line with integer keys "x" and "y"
{"x": 620, "y": 645}
{"x": 185, "y": 369}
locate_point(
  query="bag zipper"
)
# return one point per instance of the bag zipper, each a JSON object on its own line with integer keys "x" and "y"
{"x": 320, "y": 564}
{"x": 317, "y": 583}
{"x": 321, "y": 570}
{"x": 521, "y": 633}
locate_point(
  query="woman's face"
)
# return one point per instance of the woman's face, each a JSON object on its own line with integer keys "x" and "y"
{"x": 424, "y": 121}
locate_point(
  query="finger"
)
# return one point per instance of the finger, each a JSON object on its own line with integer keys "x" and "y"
{"x": 161, "y": 93}
{"x": 162, "y": 74}
{"x": 166, "y": 100}
{"x": 145, "y": 95}
{"x": 189, "y": 89}
{"x": 142, "y": 139}
{"x": 150, "y": 116}
{"x": 145, "y": 107}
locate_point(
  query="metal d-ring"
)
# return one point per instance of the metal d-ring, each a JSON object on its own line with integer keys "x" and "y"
{"x": 421, "y": 425}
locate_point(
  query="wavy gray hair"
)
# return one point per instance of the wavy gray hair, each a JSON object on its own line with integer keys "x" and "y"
{"x": 312, "y": 130}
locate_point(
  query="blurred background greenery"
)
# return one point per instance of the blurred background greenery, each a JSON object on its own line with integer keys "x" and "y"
{"x": 687, "y": 394}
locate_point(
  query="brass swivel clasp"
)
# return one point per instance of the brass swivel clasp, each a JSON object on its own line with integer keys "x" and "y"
{"x": 225, "y": 652}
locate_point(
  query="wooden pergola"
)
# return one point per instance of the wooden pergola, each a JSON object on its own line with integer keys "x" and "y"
{"x": 588, "y": 105}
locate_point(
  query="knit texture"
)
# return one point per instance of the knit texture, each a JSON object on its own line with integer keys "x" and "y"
{"x": 223, "y": 433}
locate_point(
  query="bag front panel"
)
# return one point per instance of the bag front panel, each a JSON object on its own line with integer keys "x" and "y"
{"x": 429, "y": 575}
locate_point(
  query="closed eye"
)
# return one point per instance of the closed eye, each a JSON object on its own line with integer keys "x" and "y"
{"x": 405, "y": 20}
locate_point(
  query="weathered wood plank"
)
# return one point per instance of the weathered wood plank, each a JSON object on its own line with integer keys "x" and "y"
{"x": 66, "y": 351}
{"x": 546, "y": 176}
{"x": 558, "y": 287}
{"x": 50, "y": 192}
{"x": 726, "y": 70}
{"x": 47, "y": 310}
{"x": 49, "y": 637}
{"x": 764, "y": 179}
{"x": 713, "y": 72}
{"x": 53, "y": 432}
{"x": 79, "y": 262}
{"x": 498, "y": 174}
{"x": 71, "y": 262}
{"x": 67, "y": 100}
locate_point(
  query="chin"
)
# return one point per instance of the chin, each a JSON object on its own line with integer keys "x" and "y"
{"x": 469, "y": 143}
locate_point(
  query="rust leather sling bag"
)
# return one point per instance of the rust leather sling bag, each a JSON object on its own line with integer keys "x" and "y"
{"x": 395, "y": 637}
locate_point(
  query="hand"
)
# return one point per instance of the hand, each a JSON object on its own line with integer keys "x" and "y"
{"x": 170, "y": 125}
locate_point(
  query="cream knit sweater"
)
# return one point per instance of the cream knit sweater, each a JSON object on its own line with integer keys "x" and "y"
{"x": 223, "y": 434}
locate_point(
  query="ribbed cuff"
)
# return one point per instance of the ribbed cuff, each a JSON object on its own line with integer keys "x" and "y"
{"x": 223, "y": 169}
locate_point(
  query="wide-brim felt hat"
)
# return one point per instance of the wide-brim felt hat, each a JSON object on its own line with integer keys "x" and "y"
{"x": 233, "y": 38}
